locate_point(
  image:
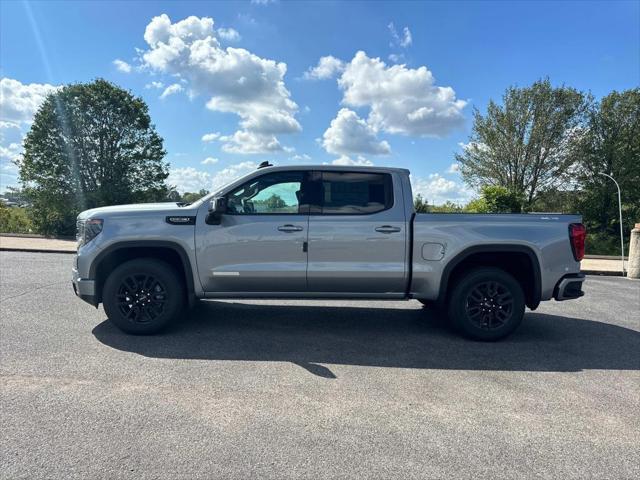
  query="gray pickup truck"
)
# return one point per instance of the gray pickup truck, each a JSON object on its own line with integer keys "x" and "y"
{"x": 324, "y": 232}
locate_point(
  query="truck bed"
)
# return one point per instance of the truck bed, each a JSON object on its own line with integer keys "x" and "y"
{"x": 441, "y": 238}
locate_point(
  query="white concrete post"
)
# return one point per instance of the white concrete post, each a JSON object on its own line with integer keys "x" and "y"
{"x": 633, "y": 270}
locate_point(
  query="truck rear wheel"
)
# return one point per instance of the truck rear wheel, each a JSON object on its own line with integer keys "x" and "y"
{"x": 486, "y": 304}
{"x": 143, "y": 296}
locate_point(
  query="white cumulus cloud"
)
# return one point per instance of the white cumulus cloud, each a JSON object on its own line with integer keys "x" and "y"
{"x": 209, "y": 161}
{"x": 18, "y": 104}
{"x": 474, "y": 147}
{"x": 20, "y": 101}
{"x": 327, "y": 67}
{"x": 188, "y": 179}
{"x": 11, "y": 152}
{"x": 229, "y": 34}
{"x": 171, "y": 90}
{"x": 359, "y": 161}
{"x": 396, "y": 57}
{"x": 229, "y": 174}
{"x": 122, "y": 66}
{"x": 11, "y": 133}
{"x": 401, "y": 40}
{"x": 454, "y": 168}
{"x": 437, "y": 190}
{"x": 235, "y": 80}
{"x": 246, "y": 142}
{"x": 402, "y": 100}
{"x": 348, "y": 134}
{"x": 157, "y": 85}
{"x": 210, "y": 137}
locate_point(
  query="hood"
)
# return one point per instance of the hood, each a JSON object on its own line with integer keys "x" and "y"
{"x": 131, "y": 209}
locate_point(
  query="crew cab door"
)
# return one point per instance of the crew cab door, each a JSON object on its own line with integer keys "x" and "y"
{"x": 357, "y": 238}
{"x": 259, "y": 245}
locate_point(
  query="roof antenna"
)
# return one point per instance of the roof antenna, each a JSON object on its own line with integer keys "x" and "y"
{"x": 264, "y": 164}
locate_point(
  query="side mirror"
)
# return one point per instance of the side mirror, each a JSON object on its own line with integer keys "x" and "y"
{"x": 217, "y": 207}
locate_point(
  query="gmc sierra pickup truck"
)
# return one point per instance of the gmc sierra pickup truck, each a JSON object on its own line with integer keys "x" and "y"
{"x": 324, "y": 232}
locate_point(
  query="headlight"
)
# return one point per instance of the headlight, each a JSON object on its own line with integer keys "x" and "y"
{"x": 88, "y": 230}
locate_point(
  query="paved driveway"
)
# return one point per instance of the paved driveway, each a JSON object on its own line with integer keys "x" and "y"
{"x": 313, "y": 389}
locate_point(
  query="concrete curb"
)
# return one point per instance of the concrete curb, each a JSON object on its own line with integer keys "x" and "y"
{"x": 35, "y": 250}
{"x": 607, "y": 273}
{"x": 35, "y": 235}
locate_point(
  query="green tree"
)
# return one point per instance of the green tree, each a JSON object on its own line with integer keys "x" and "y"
{"x": 14, "y": 220}
{"x": 525, "y": 144}
{"x": 446, "y": 207}
{"x": 610, "y": 144}
{"x": 495, "y": 199}
{"x": 558, "y": 200}
{"x": 90, "y": 145}
{"x": 191, "y": 197}
{"x": 173, "y": 195}
{"x": 420, "y": 205}
{"x": 14, "y": 194}
{"x": 275, "y": 202}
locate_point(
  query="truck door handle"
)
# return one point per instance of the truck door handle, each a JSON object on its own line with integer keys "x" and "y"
{"x": 289, "y": 228}
{"x": 387, "y": 229}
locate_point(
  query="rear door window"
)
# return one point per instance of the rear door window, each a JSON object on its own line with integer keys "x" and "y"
{"x": 355, "y": 193}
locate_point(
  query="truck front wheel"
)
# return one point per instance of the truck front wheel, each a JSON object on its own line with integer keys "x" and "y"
{"x": 143, "y": 296}
{"x": 486, "y": 304}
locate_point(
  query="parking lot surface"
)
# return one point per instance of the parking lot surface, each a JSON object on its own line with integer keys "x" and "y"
{"x": 313, "y": 389}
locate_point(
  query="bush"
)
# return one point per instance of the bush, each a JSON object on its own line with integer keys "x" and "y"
{"x": 446, "y": 207}
{"x": 15, "y": 220}
{"x": 600, "y": 243}
{"x": 495, "y": 199}
{"x": 420, "y": 205}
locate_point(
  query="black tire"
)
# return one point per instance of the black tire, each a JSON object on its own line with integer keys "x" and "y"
{"x": 143, "y": 296}
{"x": 486, "y": 304}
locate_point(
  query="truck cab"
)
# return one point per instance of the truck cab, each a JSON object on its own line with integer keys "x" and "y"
{"x": 325, "y": 232}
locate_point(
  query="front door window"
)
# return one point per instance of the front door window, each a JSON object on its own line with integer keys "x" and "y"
{"x": 272, "y": 194}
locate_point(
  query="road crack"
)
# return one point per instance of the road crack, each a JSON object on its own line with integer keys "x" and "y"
{"x": 31, "y": 291}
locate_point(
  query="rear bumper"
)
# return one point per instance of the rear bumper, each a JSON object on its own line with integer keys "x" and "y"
{"x": 84, "y": 288}
{"x": 569, "y": 287}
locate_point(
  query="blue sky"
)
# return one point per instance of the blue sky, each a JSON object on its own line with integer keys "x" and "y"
{"x": 243, "y": 72}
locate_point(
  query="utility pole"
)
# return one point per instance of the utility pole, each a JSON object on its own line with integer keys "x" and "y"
{"x": 620, "y": 211}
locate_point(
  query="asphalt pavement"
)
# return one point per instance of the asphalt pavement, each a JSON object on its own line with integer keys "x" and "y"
{"x": 313, "y": 389}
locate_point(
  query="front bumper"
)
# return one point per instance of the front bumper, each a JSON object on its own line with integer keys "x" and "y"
{"x": 84, "y": 288}
{"x": 569, "y": 287}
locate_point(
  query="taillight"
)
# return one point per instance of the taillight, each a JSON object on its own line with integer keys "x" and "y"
{"x": 577, "y": 234}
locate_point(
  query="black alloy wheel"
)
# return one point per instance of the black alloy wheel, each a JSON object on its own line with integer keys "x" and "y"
{"x": 486, "y": 303}
{"x": 141, "y": 298}
{"x": 489, "y": 305}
